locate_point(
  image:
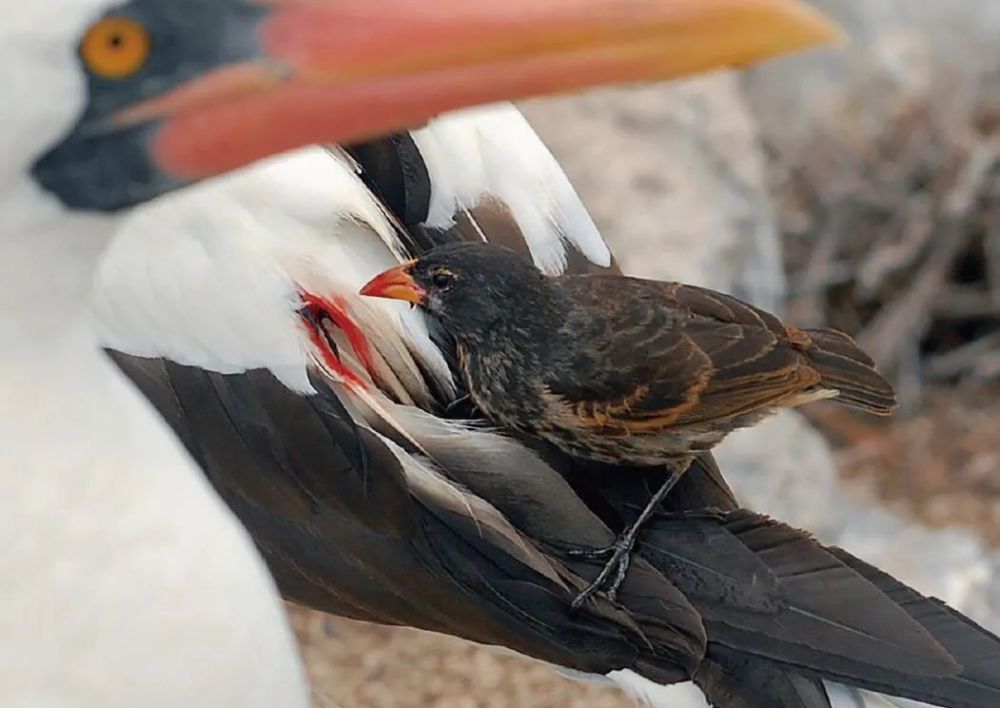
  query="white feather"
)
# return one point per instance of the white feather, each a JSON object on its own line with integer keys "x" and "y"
{"x": 849, "y": 697}
{"x": 687, "y": 695}
{"x": 680, "y": 695}
{"x": 209, "y": 277}
{"x": 493, "y": 152}
{"x": 125, "y": 580}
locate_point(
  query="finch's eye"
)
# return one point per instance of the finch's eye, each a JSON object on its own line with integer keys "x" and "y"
{"x": 442, "y": 279}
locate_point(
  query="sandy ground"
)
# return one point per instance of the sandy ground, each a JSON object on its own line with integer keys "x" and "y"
{"x": 357, "y": 665}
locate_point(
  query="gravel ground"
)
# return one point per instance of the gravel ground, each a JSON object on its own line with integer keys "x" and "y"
{"x": 358, "y": 665}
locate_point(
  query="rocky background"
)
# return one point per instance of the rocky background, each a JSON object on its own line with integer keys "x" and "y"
{"x": 857, "y": 186}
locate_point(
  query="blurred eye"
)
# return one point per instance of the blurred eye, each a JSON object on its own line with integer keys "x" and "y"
{"x": 442, "y": 280}
{"x": 115, "y": 47}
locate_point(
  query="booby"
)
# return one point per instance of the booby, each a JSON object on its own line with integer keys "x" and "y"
{"x": 234, "y": 310}
{"x": 127, "y": 582}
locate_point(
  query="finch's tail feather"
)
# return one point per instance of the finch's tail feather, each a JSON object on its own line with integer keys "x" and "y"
{"x": 846, "y": 368}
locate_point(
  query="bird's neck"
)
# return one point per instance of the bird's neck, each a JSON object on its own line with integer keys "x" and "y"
{"x": 56, "y": 383}
{"x": 47, "y": 263}
{"x": 113, "y": 533}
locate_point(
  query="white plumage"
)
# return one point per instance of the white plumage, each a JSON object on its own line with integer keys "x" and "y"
{"x": 208, "y": 277}
{"x": 125, "y": 581}
{"x": 493, "y": 153}
{"x": 687, "y": 695}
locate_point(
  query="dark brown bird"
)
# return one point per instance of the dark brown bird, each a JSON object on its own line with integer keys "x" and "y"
{"x": 623, "y": 370}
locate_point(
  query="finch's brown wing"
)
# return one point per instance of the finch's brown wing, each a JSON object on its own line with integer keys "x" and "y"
{"x": 664, "y": 354}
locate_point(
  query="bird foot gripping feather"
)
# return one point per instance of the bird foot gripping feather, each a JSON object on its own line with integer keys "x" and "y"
{"x": 619, "y": 553}
{"x": 611, "y": 577}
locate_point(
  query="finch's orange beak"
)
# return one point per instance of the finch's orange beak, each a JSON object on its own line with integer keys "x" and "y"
{"x": 396, "y": 284}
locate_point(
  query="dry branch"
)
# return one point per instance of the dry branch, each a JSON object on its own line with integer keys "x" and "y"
{"x": 892, "y": 233}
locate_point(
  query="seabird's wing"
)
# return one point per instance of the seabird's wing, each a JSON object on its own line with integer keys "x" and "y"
{"x": 479, "y": 553}
{"x": 204, "y": 312}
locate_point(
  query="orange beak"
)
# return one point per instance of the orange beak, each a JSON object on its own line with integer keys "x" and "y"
{"x": 313, "y": 71}
{"x": 396, "y": 284}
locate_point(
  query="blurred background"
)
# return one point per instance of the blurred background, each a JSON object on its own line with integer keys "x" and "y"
{"x": 857, "y": 187}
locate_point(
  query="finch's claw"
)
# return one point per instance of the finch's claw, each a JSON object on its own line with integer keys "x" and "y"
{"x": 619, "y": 553}
{"x": 611, "y": 577}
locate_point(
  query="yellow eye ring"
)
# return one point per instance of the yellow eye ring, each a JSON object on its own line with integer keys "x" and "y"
{"x": 115, "y": 47}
